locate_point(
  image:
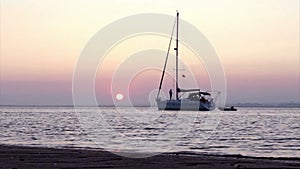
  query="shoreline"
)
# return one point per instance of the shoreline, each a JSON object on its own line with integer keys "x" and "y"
{"x": 12, "y": 156}
{"x": 240, "y": 105}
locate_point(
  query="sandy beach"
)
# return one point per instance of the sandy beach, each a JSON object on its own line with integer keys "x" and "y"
{"x": 19, "y": 157}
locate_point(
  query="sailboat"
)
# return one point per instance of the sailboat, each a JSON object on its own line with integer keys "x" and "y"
{"x": 197, "y": 99}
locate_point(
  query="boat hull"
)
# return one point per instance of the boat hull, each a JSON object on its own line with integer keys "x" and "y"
{"x": 185, "y": 105}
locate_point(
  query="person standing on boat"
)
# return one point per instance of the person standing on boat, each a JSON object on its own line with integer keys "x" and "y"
{"x": 170, "y": 94}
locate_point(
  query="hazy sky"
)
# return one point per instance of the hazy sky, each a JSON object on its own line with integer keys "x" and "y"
{"x": 257, "y": 42}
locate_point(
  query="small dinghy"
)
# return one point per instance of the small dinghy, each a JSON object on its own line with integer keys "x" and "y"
{"x": 228, "y": 108}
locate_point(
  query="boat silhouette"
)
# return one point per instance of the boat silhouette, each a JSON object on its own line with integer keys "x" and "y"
{"x": 197, "y": 99}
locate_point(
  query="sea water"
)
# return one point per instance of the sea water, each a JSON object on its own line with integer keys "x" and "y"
{"x": 259, "y": 132}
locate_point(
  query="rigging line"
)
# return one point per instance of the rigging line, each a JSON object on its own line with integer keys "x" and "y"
{"x": 166, "y": 60}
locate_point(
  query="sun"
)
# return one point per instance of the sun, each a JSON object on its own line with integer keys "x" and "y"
{"x": 119, "y": 96}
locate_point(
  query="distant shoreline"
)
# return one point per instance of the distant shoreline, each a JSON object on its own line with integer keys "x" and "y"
{"x": 41, "y": 157}
{"x": 244, "y": 105}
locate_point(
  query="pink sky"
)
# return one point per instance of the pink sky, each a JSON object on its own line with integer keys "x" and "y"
{"x": 257, "y": 42}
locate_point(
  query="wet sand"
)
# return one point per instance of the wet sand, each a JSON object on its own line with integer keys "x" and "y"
{"x": 19, "y": 157}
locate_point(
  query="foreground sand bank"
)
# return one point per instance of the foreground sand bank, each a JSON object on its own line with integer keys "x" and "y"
{"x": 27, "y": 157}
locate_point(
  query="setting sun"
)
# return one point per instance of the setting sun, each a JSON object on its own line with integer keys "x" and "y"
{"x": 119, "y": 96}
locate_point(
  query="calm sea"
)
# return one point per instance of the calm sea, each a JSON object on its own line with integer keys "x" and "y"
{"x": 261, "y": 132}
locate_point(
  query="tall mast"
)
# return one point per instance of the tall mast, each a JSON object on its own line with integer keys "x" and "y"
{"x": 177, "y": 56}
